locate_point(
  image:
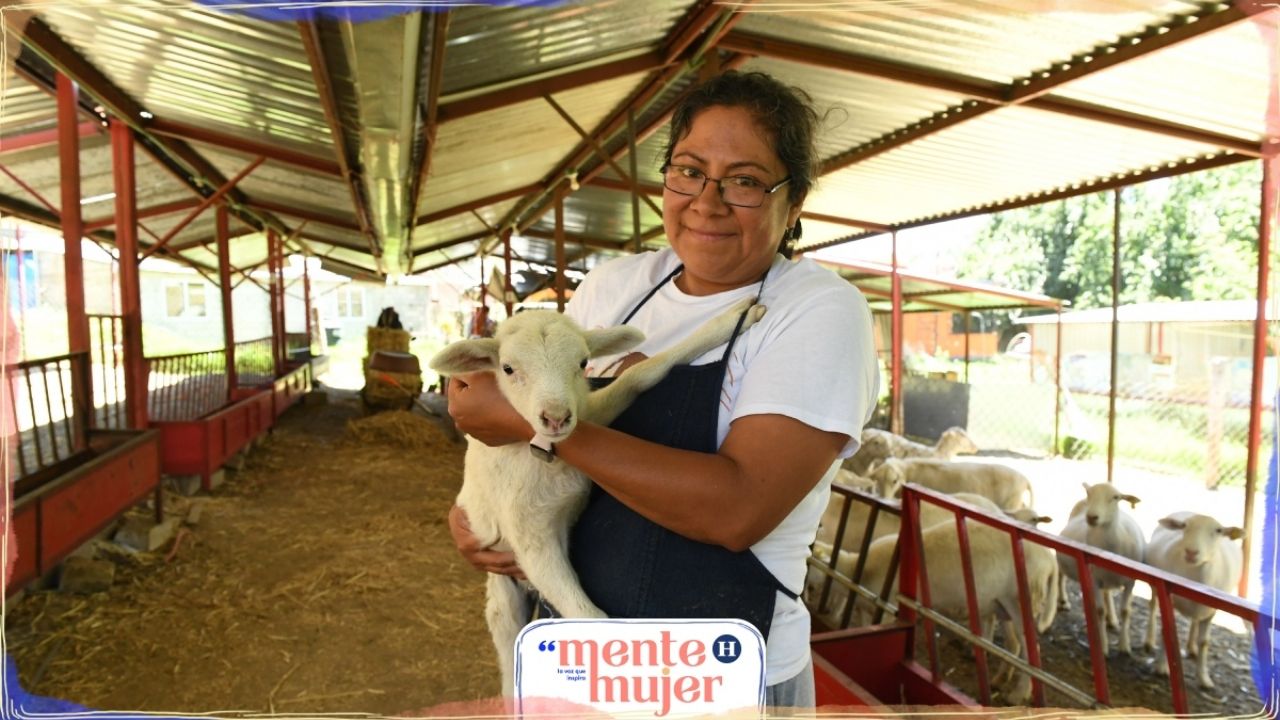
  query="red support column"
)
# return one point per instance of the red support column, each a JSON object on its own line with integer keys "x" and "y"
{"x": 1266, "y": 227}
{"x": 135, "y": 368}
{"x": 306, "y": 298}
{"x": 284, "y": 327}
{"x": 1057, "y": 388}
{"x": 507, "y": 287}
{"x": 896, "y": 421}
{"x": 562, "y": 263}
{"x": 273, "y": 286}
{"x": 224, "y": 285}
{"x": 1115, "y": 338}
{"x": 72, "y": 232}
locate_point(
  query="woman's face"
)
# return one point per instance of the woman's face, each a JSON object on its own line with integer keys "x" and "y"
{"x": 724, "y": 246}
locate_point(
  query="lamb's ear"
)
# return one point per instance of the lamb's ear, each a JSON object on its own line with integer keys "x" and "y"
{"x": 1131, "y": 499}
{"x": 610, "y": 341}
{"x": 1172, "y": 523}
{"x": 1233, "y": 533}
{"x": 466, "y": 356}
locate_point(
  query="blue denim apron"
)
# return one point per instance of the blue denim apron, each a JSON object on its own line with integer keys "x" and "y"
{"x": 632, "y": 567}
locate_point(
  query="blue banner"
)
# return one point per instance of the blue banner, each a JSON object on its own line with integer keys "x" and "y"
{"x": 1266, "y": 672}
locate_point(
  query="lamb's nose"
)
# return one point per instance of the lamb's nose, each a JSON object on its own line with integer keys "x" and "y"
{"x": 1192, "y": 555}
{"x": 555, "y": 424}
{"x": 1091, "y": 519}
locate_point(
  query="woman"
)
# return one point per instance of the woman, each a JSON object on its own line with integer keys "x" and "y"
{"x": 710, "y": 487}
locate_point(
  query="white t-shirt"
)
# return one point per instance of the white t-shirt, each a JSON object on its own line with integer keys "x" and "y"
{"x": 811, "y": 357}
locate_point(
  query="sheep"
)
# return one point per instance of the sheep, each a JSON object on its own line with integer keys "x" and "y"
{"x": 888, "y": 524}
{"x": 516, "y": 501}
{"x": 995, "y": 583}
{"x": 1006, "y": 487}
{"x": 1198, "y": 548}
{"x": 878, "y": 445}
{"x": 1098, "y": 521}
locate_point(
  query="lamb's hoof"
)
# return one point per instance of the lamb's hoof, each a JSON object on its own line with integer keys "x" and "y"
{"x": 1207, "y": 684}
{"x": 758, "y": 312}
{"x": 1162, "y": 670}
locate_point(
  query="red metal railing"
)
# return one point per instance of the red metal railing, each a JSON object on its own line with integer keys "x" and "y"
{"x": 51, "y": 423}
{"x": 254, "y": 365}
{"x": 187, "y": 386}
{"x": 106, "y": 371}
{"x": 914, "y": 598}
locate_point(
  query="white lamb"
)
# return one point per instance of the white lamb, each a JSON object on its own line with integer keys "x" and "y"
{"x": 878, "y": 445}
{"x": 522, "y": 503}
{"x": 1006, "y": 487}
{"x": 1198, "y": 548}
{"x": 1098, "y": 521}
{"x": 995, "y": 584}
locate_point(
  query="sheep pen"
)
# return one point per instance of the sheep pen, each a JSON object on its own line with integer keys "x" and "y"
{"x": 322, "y": 579}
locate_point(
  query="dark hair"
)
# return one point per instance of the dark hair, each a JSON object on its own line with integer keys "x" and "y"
{"x": 785, "y": 113}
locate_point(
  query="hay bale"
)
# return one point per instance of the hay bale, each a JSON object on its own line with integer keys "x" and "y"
{"x": 390, "y": 389}
{"x": 377, "y": 338}
{"x": 399, "y": 428}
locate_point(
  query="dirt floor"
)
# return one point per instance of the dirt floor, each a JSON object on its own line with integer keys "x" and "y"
{"x": 319, "y": 578}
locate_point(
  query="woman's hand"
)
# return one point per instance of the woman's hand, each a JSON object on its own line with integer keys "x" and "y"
{"x": 480, "y": 556}
{"x": 479, "y": 409}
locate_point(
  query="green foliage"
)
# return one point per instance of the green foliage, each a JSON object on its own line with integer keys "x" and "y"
{"x": 1191, "y": 237}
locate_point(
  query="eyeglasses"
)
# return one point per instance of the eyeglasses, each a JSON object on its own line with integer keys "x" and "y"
{"x": 738, "y": 190}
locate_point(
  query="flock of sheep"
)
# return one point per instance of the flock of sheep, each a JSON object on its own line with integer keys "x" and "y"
{"x": 1196, "y": 547}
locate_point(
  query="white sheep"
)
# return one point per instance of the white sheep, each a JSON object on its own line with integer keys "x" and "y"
{"x": 879, "y": 445}
{"x": 517, "y": 501}
{"x": 1006, "y": 487}
{"x": 1198, "y": 548}
{"x": 887, "y": 524}
{"x": 995, "y": 584}
{"x": 1098, "y": 521}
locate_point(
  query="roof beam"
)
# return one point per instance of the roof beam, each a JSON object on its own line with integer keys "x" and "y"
{"x": 44, "y": 138}
{"x": 585, "y": 241}
{"x": 450, "y": 110}
{"x": 143, "y": 213}
{"x": 320, "y": 73}
{"x": 434, "y": 75}
{"x": 478, "y": 203}
{"x": 170, "y": 128}
{"x": 304, "y": 214}
{"x": 474, "y": 237}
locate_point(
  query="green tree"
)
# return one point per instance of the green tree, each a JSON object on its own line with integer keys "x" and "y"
{"x": 1192, "y": 237}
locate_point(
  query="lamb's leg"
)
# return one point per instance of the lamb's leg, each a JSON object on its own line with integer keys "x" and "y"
{"x": 1153, "y": 621}
{"x": 1020, "y": 692}
{"x": 1064, "y": 600}
{"x": 506, "y": 610}
{"x": 1109, "y": 600}
{"x": 1206, "y": 682}
{"x": 1193, "y": 632}
{"x": 544, "y": 557}
{"x": 604, "y": 406}
{"x": 1100, "y": 610}
{"x": 1126, "y": 612}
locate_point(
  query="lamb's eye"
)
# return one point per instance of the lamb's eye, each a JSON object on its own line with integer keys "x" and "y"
{"x": 507, "y": 369}
{"x": 583, "y": 364}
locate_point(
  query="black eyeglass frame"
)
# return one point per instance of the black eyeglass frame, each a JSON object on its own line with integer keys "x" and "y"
{"x": 719, "y": 187}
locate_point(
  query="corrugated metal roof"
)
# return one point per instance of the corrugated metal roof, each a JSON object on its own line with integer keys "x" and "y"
{"x": 536, "y": 40}
{"x": 1232, "y": 91}
{"x": 246, "y": 87}
{"x": 998, "y": 40}
{"x": 184, "y": 62}
{"x": 932, "y": 293}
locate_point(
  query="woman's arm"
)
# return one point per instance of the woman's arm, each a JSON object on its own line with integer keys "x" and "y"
{"x": 732, "y": 498}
